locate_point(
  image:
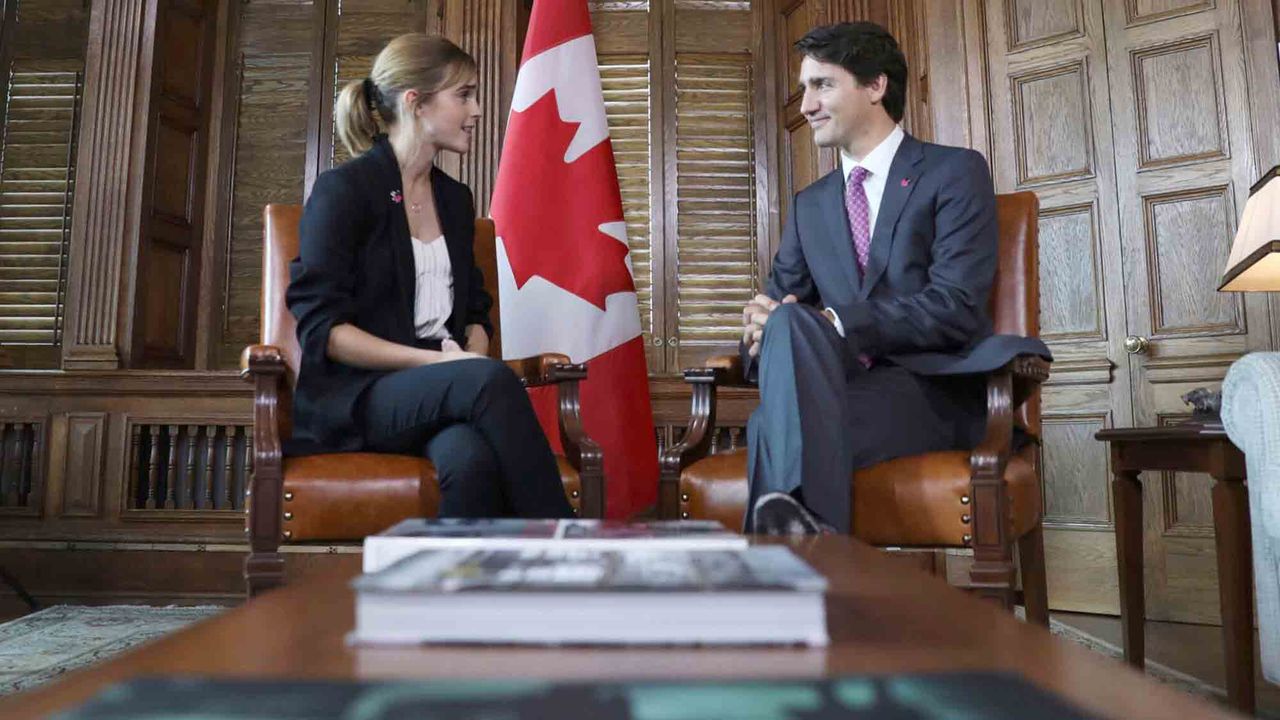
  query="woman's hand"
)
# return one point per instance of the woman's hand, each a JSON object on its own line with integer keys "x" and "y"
{"x": 452, "y": 355}
{"x": 450, "y": 351}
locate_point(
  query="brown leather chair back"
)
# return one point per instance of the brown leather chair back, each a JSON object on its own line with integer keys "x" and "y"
{"x": 280, "y": 247}
{"x": 1015, "y": 295}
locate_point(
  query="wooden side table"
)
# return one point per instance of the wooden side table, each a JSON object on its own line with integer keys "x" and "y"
{"x": 1188, "y": 448}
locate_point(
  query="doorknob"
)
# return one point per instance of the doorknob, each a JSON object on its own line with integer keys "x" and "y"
{"x": 1136, "y": 345}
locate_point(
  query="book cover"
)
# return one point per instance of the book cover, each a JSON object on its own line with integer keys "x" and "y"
{"x": 504, "y": 528}
{"x": 569, "y": 569}
{"x": 991, "y": 695}
{"x": 473, "y": 528}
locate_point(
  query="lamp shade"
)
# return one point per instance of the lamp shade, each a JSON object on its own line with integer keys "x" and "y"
{"x": 1254, "y": 263}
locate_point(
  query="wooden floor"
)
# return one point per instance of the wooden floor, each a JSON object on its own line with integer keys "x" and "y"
{"x": 1193, "y": 649}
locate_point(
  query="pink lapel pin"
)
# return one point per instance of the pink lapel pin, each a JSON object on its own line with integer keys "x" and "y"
{"x": 396, "y": 197}
{"x": 905, "y": 182}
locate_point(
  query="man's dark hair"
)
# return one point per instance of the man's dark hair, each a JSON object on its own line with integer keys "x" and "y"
{"x": 866, "y": 50}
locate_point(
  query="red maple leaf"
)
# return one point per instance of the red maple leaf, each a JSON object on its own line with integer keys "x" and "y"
{"x": 548, "y": 212}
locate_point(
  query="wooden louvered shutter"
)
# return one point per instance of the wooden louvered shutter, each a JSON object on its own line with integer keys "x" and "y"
{"x": 272, "y": 116}
{"x": 631, "y": 84}
{"x": 715, "y": 264}
{"x": 42, "y": 63}
{"x": 363, "y": 28}
{"x": 716, "y": 211}
{"x": 37, "y": 181}
{"x": 625, "y": 83}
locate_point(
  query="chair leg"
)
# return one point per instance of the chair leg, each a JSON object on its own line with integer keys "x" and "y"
{"x": 263, "y": 571}
{"x": 986, "y": 586}
{"x": 1035, "y": 587}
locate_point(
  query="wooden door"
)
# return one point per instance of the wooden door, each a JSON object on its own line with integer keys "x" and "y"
{"x": 1184, "y": 162}
{"x": 1132, "y": 122}
{"x": 1051, "y": 124}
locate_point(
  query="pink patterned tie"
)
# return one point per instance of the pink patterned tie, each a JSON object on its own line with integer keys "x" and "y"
{"x": 855, "y": 204}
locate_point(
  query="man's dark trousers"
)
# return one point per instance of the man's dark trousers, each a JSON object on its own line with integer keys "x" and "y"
{"x": 822, "y": 414}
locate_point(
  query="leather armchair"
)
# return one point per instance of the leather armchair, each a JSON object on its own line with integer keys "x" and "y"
{"x": 346, "y": 496}
{"x": 986, "y": 499}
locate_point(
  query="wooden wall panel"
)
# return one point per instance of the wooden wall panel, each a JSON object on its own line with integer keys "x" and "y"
{"x": 1144, "y": 11}
{"x": 1035, "y": 22}
{"x": 105, "y": 217}
{"x": 1183, "y": 75}
{"x": 1188, "y": 240}
{"x": 1052, "y": 124}
{"x": 1071, "y": 296}
{"x": 1080, "y": 494}
{"x": 85, "y": 460}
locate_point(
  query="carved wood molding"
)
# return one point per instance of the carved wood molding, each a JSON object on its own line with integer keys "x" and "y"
{"x": 105, "y": 217}
{"x": 156, "y": 383}
{"x": 1089, "y": 371}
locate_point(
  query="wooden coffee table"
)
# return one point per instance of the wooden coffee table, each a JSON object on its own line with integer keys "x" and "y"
{"x": 883, "y": 617}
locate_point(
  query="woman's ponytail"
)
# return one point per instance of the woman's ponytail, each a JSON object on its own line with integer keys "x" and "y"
{"x": 354, "y": 117}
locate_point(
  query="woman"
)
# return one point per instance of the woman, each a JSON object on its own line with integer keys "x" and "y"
{"x": 392, "y": 313}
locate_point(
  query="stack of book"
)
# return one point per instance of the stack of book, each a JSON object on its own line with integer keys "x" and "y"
{"x": 583, "y": 582}
{"x": 410, "y": 536}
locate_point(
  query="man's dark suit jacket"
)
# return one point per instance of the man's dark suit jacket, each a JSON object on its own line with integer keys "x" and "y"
{"x": 355, "y": 265}
{"x": 923, "y": 301}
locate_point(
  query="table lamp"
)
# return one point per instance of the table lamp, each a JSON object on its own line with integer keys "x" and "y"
{"x": 1254, "y": 263}
{"x": 1253, "y": 266}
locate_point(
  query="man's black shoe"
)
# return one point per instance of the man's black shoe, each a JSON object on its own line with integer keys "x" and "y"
{"x": 780, "y": 514}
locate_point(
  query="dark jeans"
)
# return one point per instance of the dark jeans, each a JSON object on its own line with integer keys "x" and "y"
{"x": 474, "y": 421}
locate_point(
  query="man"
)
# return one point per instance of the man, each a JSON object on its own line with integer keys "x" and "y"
{"x": 875, "y": 319}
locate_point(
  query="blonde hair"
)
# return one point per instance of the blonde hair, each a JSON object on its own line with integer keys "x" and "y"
{"x": 416, "y": 61}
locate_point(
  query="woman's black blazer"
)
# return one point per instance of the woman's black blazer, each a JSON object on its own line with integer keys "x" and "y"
{"x": 355, "y": 265}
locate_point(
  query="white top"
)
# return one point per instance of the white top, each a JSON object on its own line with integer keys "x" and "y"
{"x": 877, "y": 162}
{"x": 433, "y": 288}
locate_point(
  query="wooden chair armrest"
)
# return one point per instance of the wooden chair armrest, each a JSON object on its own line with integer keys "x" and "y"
{"x": 261, "y": 359}
{"x": 579, "y": 449}
{"x": 547, "y": 369}
{"x": 1007, "y": 388}
{"x": 264, "y": 366}
{"x": 696, "y": 441}
{"x": 1028, "y": 372}
{"x": 727, "y": 370}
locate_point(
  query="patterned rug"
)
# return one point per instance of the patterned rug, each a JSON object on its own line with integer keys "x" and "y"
{"x": 39, "y": 647}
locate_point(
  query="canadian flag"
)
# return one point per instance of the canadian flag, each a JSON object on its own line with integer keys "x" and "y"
{"x": 564, "y": 273}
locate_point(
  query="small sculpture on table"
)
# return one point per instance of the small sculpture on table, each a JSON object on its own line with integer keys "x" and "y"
{"x": 1206, "y": 408}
